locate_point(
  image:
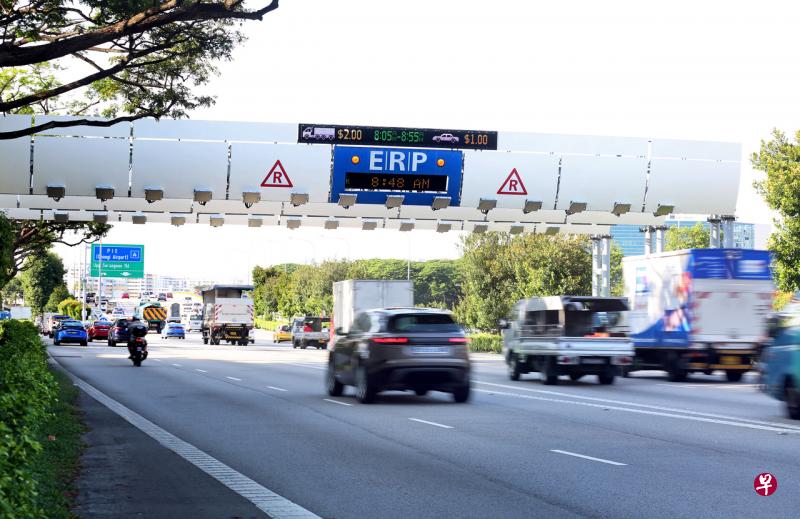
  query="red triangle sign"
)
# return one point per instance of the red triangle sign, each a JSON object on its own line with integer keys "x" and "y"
{"x": 277, "y": 177}
{"x": 513, "y": 185}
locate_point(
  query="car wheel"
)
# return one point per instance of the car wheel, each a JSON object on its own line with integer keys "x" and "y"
{"x": 575, "y": 376}
{"x": 549, "y": 374}
{"x": 792, "y": 397}
{"x": 294, "y": 345}
{"x": 734, "y": 376}
{"x": 56, "y": 342}
{"x": 365, "y": 390}
{"x": 513, "y": 367}
{"x": 334, "y": 387}
{"x": 84, "y": 343}
{"x": 461, "y": 394}
{"x": 205, "y": 340}
{"x": 421, "y": 392}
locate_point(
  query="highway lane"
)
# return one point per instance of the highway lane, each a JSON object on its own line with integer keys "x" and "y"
{"x": 514, "y": 451}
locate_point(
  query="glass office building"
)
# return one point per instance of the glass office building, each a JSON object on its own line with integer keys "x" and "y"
{"x": 631, "y": 240}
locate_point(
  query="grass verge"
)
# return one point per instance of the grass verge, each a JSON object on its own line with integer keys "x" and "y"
{"x": 56, "y": 466}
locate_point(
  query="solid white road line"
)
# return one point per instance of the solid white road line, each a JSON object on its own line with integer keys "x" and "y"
{"x": 337, "y": 402}
{"x": 783, "y": 429}
{"x": 234, "y": 378}
{"x": 277, "y": 388}
{"x": 272, "y": 504}
{"x": 443, "y": 426}
{"x": 200, "y": 370}
{"x": 177, "y": 365}
{"x": 601, "y": 460}
{"x": 646, "y": 406}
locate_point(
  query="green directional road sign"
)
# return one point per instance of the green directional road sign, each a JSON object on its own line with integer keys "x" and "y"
{"x": 117, "y": 261}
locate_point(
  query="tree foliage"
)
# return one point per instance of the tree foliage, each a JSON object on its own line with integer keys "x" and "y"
{"x": 499, "y": 269}
{"x": 59, "y": 294}
{"x": 70, "y": 307}
{"x": 694, "y": 237}
{"x": 33, "y": 238}
{"x": 779, "y": 158}
{"x": 11, "y": 292}
{"x": 42, "y": 275}
{"x": 125, "y": 59}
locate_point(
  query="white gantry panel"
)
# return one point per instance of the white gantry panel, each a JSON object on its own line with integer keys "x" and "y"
{"x": 179, "y": 167}
{"x": 119, "y": 130}
{"x": 602, "y": 181}
{"x": 572, "y": 144}
{"x": 693, "y": 186}
{"x": 703, "y": 150}
{"x": 15, "y": 157}
{"x": 511, "y": 178}
{"x": 278, "y": 170}
{"x": 214, "y": 130}
{"x": 80, "y": 164}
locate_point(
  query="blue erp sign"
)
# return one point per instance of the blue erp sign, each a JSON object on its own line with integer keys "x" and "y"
{"x": 419, "y": 175}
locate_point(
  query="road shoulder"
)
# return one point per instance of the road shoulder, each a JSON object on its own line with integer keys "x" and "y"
{"x": 125, "y": 473}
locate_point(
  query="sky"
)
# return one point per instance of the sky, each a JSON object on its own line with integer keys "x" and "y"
{"x": 711, "y": 70}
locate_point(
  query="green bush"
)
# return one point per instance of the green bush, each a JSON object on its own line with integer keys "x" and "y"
{"x": 27, "y": 390}
{"x": 486, "y": 342}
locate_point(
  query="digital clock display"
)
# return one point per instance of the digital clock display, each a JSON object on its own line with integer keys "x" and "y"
{"x": 397, "y": 137}
{"x": 409, "y": 182}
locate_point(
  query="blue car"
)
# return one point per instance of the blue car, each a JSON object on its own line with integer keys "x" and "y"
{"x": 780, "y": 361}
{"x": 71, "y": 331}
{"x": 173, "y": 330}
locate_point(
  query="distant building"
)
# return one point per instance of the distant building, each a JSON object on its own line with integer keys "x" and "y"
{"x": 631, "y": 240}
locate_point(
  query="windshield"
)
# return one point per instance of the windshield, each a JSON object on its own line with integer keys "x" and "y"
{"x": 422, "y": 323}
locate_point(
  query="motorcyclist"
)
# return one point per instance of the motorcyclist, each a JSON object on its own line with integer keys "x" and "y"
{"x": 135, "y": 323}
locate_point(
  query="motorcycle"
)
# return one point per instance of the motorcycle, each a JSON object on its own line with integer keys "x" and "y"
{"x": 137, "y": 345}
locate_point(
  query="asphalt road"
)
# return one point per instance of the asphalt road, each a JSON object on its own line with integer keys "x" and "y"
{"x": 640, "y": 448}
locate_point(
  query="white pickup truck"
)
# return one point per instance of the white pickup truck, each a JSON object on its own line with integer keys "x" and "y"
{"x": 567, "y": 335}
{"x": 311, "y": 331}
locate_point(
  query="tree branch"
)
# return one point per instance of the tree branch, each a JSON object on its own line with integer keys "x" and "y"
{"x": 74, "y": 122}
{"x": 163, "y": 14}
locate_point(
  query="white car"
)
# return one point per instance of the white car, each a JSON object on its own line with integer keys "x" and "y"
{"x": 445, "y": 137}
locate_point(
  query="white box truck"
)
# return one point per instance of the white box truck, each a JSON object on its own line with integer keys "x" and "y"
{"x": 356, "y": 295}
{"x": 228, "y": 314}
{"x": 698, "y": 310}
{"x": 20, "y": 312}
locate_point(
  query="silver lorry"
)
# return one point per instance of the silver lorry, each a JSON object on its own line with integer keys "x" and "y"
{"x": 567, "y": 335}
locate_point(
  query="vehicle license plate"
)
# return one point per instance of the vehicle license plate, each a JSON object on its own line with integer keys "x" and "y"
{"x": 428, "y": 350}
{"x": 730, "y": 359}
{"x": 593, "y": 361}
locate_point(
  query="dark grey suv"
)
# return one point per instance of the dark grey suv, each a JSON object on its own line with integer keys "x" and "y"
{"x": 416, "y": 349}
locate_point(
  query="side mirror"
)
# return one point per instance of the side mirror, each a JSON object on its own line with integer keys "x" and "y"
{"x": 503, "y": 324}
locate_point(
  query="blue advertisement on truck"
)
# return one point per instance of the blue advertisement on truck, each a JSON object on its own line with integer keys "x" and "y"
{"x": 699, "y": 310}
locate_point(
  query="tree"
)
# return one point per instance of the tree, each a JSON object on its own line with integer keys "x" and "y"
{"x": 144, "y": 57}
{"x": 694, "y": 237}
{"x": 11, "y": 292}
{"x": 70, "y": 307}
{"x": 40, "y": 278}
{"x": 24, "y": 239}
{"x": 59, "y": 294}
{"x": 780, "y": 159}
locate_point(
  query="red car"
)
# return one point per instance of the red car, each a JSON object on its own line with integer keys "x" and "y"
{"x": 99, "y": 330}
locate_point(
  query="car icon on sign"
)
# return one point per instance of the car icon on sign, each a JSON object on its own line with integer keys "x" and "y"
{"x": 445, "y": 137}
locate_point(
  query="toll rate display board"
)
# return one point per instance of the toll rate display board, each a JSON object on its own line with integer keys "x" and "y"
{"x": 374, "y": 173}
{"x": 396, "y": 137}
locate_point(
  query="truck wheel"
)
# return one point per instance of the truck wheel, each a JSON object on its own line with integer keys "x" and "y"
{"x": 734, "y": 376}
{"x": 365, "y": 390}
{"x": 334, "y": 387}
{"x": 675, "y": 372}
{"x": 513, "y": 367}
{"x": 549, "y": 375}
{"x": 575, "y": 376}
{"x": 606, "y": 378}
{"x": 792, "y": 396}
